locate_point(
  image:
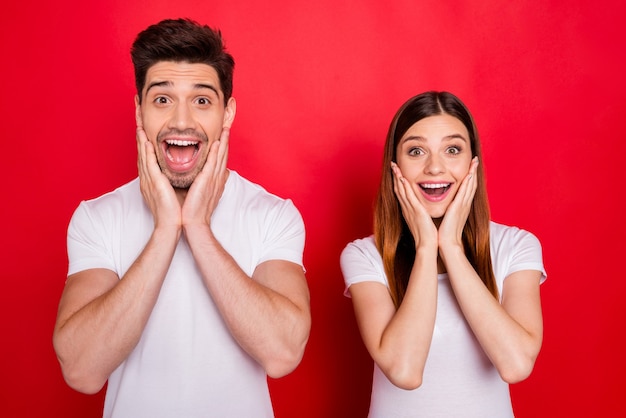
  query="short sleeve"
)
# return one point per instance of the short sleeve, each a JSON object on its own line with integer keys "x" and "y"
{"x": 87, "y": 246}
{"x": 514, "y": 249}
{"x": 361, "y": 262}
{"x": 285, "y": 235}
{"x": 527, "y": 255}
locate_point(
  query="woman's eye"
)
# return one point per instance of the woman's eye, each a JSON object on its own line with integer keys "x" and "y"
{"x": 454, "y": 150}
{"x": 415, "y": 151}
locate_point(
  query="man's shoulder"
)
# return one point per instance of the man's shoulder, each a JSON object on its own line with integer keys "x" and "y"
{"x": 246, "y": 200}
{"x": 124, "y": 196}
{"x": 244, "y": 190}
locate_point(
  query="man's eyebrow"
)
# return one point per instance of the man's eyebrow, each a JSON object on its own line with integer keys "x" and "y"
{"x": 197, "y": 86}
{"x": 158, "y": 84}
{"x": 207, "y": 86}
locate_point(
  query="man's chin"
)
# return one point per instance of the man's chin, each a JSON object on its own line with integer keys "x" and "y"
{"x": 181, "y": 181}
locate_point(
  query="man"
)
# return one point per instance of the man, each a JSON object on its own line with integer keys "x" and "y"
{"x": 185, "y": 286}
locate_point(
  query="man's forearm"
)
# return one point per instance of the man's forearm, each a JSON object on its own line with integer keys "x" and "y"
{"x": 268, "y": 314}
{"x": 101, "y": 318}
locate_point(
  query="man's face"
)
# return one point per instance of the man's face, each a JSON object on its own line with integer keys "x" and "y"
{"x": 183, "y": 113}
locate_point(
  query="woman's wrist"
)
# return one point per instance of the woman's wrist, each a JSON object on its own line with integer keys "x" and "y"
{"x": 451, "y": 250}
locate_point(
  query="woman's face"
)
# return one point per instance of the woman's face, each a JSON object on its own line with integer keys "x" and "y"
{"x": 435, "y": 154}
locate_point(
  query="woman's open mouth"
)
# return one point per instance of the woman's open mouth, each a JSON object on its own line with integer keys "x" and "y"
{"x": 434, "y": 192}
{"x": 435, "y": 189}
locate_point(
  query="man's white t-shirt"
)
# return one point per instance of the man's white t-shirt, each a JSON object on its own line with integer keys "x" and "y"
{"x": 186, "y": 363}
{"x": 459, "y": 380}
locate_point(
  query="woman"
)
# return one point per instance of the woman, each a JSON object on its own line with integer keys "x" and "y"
{"x": 447, "y": 302}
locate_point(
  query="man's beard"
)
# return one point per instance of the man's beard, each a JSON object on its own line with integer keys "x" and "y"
{"x": 182, "y": 183}
{"x": 178, "y": 180}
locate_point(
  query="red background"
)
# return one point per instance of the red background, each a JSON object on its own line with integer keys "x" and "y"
{"x": 317, "y": 84}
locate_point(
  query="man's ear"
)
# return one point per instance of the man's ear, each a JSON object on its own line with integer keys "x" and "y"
{"x": 138, "y": 118}
{"x": 229, "y": 112}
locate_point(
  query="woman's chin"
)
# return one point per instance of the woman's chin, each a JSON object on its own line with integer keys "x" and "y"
{"x": 437, "y": 211}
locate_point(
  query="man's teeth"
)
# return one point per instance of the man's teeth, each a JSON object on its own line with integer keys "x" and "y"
{"x": 434, "y": 185}
{"x": 180, "y": 142}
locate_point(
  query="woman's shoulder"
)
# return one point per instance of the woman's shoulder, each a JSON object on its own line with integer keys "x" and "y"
{"x": 514, "y": 249}
{"x": 362, "y": 250}
{"x": 361, "y": 262}
{"x": 507, "y": 233}
{"x": 510, "y": 244}
{"x": 364, "y": 245}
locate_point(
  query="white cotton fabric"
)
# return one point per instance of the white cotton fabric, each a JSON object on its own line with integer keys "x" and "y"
{"x": 186, "y": 363}
{"x": 459, "y": 380}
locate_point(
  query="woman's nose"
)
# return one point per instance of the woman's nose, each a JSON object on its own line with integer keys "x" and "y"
{"x": 434, "y": 165}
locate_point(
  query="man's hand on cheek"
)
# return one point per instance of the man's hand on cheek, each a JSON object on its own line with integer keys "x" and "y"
{"x": 155, "y": 187}
{"x": 206, "y": 190}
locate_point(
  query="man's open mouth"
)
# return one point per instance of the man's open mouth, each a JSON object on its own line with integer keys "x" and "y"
{"x": 181, "y": 152}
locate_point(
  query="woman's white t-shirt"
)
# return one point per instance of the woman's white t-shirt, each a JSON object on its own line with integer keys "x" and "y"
{"x": 459, "y": 380}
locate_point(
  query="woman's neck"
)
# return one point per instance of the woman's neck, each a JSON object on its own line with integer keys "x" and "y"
{"x": 441, "y": 268}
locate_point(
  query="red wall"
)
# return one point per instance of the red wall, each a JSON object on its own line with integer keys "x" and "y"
{"x": 316, "y": 86}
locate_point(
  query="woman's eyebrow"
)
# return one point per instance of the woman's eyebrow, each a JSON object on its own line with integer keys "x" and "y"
{"x": 454, "y": 136}
{"x": 413, "y": 138}
{"x": 420, "y": 138}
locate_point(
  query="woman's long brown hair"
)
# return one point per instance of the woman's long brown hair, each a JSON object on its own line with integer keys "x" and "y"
{"x": 392, "y": 235}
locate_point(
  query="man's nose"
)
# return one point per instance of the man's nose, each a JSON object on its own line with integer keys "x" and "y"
{"x": 182, "y": 117}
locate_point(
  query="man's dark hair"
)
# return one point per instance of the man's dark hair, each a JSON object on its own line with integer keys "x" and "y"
{"x": 182, "y": 40}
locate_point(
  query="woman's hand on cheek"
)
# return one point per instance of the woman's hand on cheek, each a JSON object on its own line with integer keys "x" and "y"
{"x": 451, "y": 228}
{"x": 417, "y": 218}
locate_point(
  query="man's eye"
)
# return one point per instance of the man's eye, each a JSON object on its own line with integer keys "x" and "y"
{"x": 203, "y": 101}
{"x": 160, "y": 100}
